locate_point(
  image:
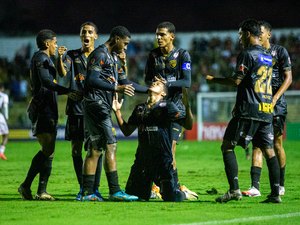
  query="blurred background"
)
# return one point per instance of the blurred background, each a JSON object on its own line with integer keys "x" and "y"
{"x": 207, "y": 29}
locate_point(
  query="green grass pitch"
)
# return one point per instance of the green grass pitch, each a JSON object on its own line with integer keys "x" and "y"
{"x": 200, "y": 168}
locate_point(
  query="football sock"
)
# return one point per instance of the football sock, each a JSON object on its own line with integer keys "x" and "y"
{"x": 44, "y": 175}
{"x": 175, "y": 177}
{"x": 255, "y": 176}
{"x": 231, "y": 169}
{"x": 2, "y": 149}
{"x": 77, "y": 163}
{"x": 88, "y": 184}
{"x": 274, "y": 174}
{"x": 282, "y": 176}
{"x": 98, "y": 173}
{"x": 113, "y": 182}
{"x": 35, "y": 167}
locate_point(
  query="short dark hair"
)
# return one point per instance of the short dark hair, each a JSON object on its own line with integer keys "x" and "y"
{"x": 252, "y": 26}
{"x": 120, "y": 31}
{"x": 89, "y": 24}
{"x": 265, "y": 24}
{"x": 42, "y": 36}
{"x": 166, "y": 24}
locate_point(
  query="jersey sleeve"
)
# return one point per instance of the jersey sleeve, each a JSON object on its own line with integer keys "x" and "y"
{"x": 94, "y": 69}
{"x": 43, "y": 66}
{"x": 186, "y": 72}
{"x": 242, "y": 66}
{"x": 284, "y": 59}
{"x": 173, "y": 112}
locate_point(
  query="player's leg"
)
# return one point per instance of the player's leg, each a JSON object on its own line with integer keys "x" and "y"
{"x": 278, "y": 123}
{"x": 255, "y": 173}
{"x": 4, "y": 133}
{"x": 231, "y": 137}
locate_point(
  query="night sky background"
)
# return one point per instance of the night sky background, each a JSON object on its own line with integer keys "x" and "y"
{"x": 26, "y": 17}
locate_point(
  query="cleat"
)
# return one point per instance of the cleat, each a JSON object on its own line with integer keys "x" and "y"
{"x": 155, "y": 192}
{"x": 190, "y": 195}
{"x": 122, "y": 196}
{"x": 79, "y": 195}
{"x": 2, "y": 156}
{"x": 97, "y": 193}
{"x": 235, "y": 195}
{"x": 44, "y": 197}
{"x": 91, "y": 198}
{"x": 272, "y": 199}
{"x": 25, "y": 193}
{"x": 251, "y": 192}
{"x": 281, "y": 190}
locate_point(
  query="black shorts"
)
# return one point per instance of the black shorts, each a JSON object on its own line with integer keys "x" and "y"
{"x": 278, "y": 125}
{"x": 243, "y": 131}
{"x": 74, "y": 128}
{"x": 44, "y": 124}
{"x": 98, "y": 125}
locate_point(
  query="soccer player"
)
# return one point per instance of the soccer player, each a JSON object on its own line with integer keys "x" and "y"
{"x": 73, "y": 64}
{"x": 281, "y": 80}
{"x": 153, "y": 158}
{"x": 102, "y": 81}
{"x": 252, "y": 117}
{"x": 4, "y": 100}
{"x": 174, "y": 65}
{"x": 43, "y": 113}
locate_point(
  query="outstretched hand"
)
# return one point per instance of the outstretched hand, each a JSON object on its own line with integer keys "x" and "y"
{"x": 116, "y": 105}
{"x": 75, "y": 95}
{"x": 126, "y": 89}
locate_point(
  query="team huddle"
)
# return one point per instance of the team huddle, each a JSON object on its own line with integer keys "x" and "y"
{"x": 97, "y": 75}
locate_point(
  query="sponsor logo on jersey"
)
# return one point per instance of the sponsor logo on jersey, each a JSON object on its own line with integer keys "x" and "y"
{"x": 154, "y": 128}
{"x": 186, "y": 66}
{"x": 265, "y": 59}
{"x": 79, "y": 77}
{"x": 173, "y": 63}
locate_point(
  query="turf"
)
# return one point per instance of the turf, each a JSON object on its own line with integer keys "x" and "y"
{"x": 200, "y": 168}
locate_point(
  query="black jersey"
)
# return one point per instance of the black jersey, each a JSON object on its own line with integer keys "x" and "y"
{"x": 281, "y": 63}
{"x": 102, "y": 76}
{"x": 44, "y": 85}
{"x": 174, "y": 67}
{"x": 254, "y": 93}
{"x": 154, "y": 128}
{"x": 75, "y": 63}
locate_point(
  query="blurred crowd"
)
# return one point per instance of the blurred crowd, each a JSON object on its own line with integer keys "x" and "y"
{"x": 214, "y": 55}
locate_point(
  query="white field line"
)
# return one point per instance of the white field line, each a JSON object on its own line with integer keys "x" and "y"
{"x": 245, "y": 219}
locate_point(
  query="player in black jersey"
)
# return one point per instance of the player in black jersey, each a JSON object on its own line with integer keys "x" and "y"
{"x": 281, "y": 80}
{"x": 103, "y": 79}
{"x": 153, "y": 158}
{"x": 252, "y": 117}
{"x": 73, "y": 65}
{"x": 174, "y": 65}
{"x": 43, "y": 113}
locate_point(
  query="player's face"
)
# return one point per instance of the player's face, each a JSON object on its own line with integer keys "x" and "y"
{"x": 164, "y": 37}
{"x": 88, "y": 36}
{"x": 121, "y": 44}
{"x": 265, "y": 35}
{"x": 243, "y": 38}
{"x": 52, "y": 46}
{"x": 157, "y": 87}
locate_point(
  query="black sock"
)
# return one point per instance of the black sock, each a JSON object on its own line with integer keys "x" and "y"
{"x": 35, "y": 167}
{"x": 274, "y": 174}
{"x": 113, "y": 182}
{"x": 282, "y": 176}
{"x": 255, "y": 176}
{"x": 44, "y": 175}
{"x": 77, "y": 163}
{"x": 175, "y": 177}
{"x": 231, "y": 169}
{"x": 88, "y": 184}
{"x": 98, "y": 173}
